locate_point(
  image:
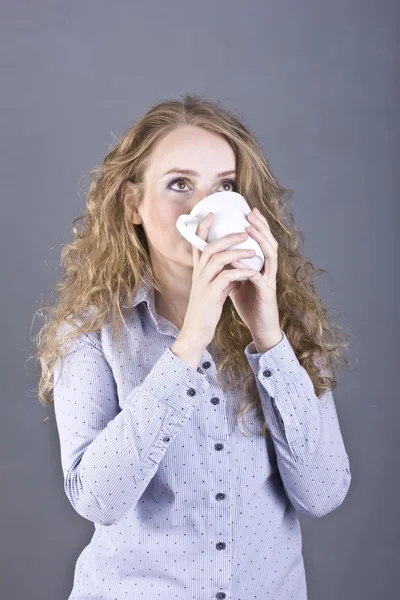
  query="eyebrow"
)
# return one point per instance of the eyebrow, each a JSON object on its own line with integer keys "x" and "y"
{"x": 194, "y": 173}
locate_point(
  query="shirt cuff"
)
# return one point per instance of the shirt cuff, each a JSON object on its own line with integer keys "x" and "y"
{"x": 277, "y": 367}
{"x": 174, "y": 382}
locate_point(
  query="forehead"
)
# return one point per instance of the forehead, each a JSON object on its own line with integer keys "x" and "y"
{"x": 192, "y": 148}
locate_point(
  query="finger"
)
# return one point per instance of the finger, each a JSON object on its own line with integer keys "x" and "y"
{"x": 266, "y": 241}
{"x": 202, "y": 231}
{"x": 261, "y": 217}
{"x": 261, "y": 224}
{"x": 196, "y": 251}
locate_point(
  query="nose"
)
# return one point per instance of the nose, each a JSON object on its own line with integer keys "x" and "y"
{"x": 198, "y": 197}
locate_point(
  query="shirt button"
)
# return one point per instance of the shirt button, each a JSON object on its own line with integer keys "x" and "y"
{"x": 221, "y": 595}
{"x": 207, "y": 364}
{"x": 221, "y": 546}
{"x": 220, "y": 496}
{"x": 191, "y": 392}
{"x": 267, "y": 373}
{"x": 214, "y": 400}
{"x": 166, "y": 439}
{"x": 218, "y": 446}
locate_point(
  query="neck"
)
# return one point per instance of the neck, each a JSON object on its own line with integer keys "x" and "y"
{"x": 176, "y": 285}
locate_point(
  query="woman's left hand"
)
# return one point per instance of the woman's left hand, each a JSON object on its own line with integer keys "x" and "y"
{"x": 255, "y": 298}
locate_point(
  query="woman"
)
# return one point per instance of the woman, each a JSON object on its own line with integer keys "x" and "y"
{"x": 154, "y": 350}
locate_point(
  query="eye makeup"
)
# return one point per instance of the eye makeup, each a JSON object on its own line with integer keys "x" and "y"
{"x": 178, "y": 179}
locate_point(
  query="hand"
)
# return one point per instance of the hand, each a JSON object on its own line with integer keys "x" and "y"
{"x": 211, "y": 284}
{"x": 255, "y": 299}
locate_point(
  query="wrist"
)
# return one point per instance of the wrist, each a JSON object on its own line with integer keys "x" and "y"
{"x": 186, "y": 350}
{"x": 268, "y": 342}
{"x": 186, "y": 339}
{"x": 185, "y": 343}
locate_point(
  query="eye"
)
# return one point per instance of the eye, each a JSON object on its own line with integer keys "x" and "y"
{"x": 231, "y": 182}
{"x": 178, "y": 180}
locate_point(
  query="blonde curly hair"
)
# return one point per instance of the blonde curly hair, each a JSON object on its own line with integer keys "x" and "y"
{"x": 106, "y": 260}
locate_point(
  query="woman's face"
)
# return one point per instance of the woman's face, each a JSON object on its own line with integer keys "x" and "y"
{"x": 170, "y": 194}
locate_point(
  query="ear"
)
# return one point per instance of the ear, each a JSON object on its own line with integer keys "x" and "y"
{"x": 129, "y": 197}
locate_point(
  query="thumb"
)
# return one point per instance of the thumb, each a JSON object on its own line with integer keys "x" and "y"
{"x": 202, "y": 231}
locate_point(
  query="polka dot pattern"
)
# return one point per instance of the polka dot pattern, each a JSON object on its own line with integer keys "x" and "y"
{"x": 184, "y": 505}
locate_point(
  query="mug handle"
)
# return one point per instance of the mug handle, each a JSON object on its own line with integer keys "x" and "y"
{"x": 182, "y": 226}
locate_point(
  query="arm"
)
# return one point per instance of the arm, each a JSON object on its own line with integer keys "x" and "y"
{"x": 311, "y": 456}
{"x": 110, "y": 455}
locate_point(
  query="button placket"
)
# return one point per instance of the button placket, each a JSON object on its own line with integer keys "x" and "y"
{"x": 214, "y": 400}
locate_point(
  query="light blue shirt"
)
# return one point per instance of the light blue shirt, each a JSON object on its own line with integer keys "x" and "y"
{"x": 184, "y": 505}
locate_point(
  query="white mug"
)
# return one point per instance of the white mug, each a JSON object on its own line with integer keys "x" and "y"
{"x": 230, "y": 216}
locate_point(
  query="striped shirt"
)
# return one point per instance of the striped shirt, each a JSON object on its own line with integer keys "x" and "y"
{"x": 184, "y": 504}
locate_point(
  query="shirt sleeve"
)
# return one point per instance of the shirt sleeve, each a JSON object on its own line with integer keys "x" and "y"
{"x": 109, "y": 455}
{"x": 311, "y": 456}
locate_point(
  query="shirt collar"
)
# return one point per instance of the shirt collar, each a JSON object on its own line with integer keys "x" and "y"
{"x": 144, "y": 292}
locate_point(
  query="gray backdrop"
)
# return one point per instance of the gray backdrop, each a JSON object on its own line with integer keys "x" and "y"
{"x": 317, "y": 82}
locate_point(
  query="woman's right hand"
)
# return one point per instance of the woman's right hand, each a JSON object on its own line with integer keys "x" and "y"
{"x": 211, "y": 285}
